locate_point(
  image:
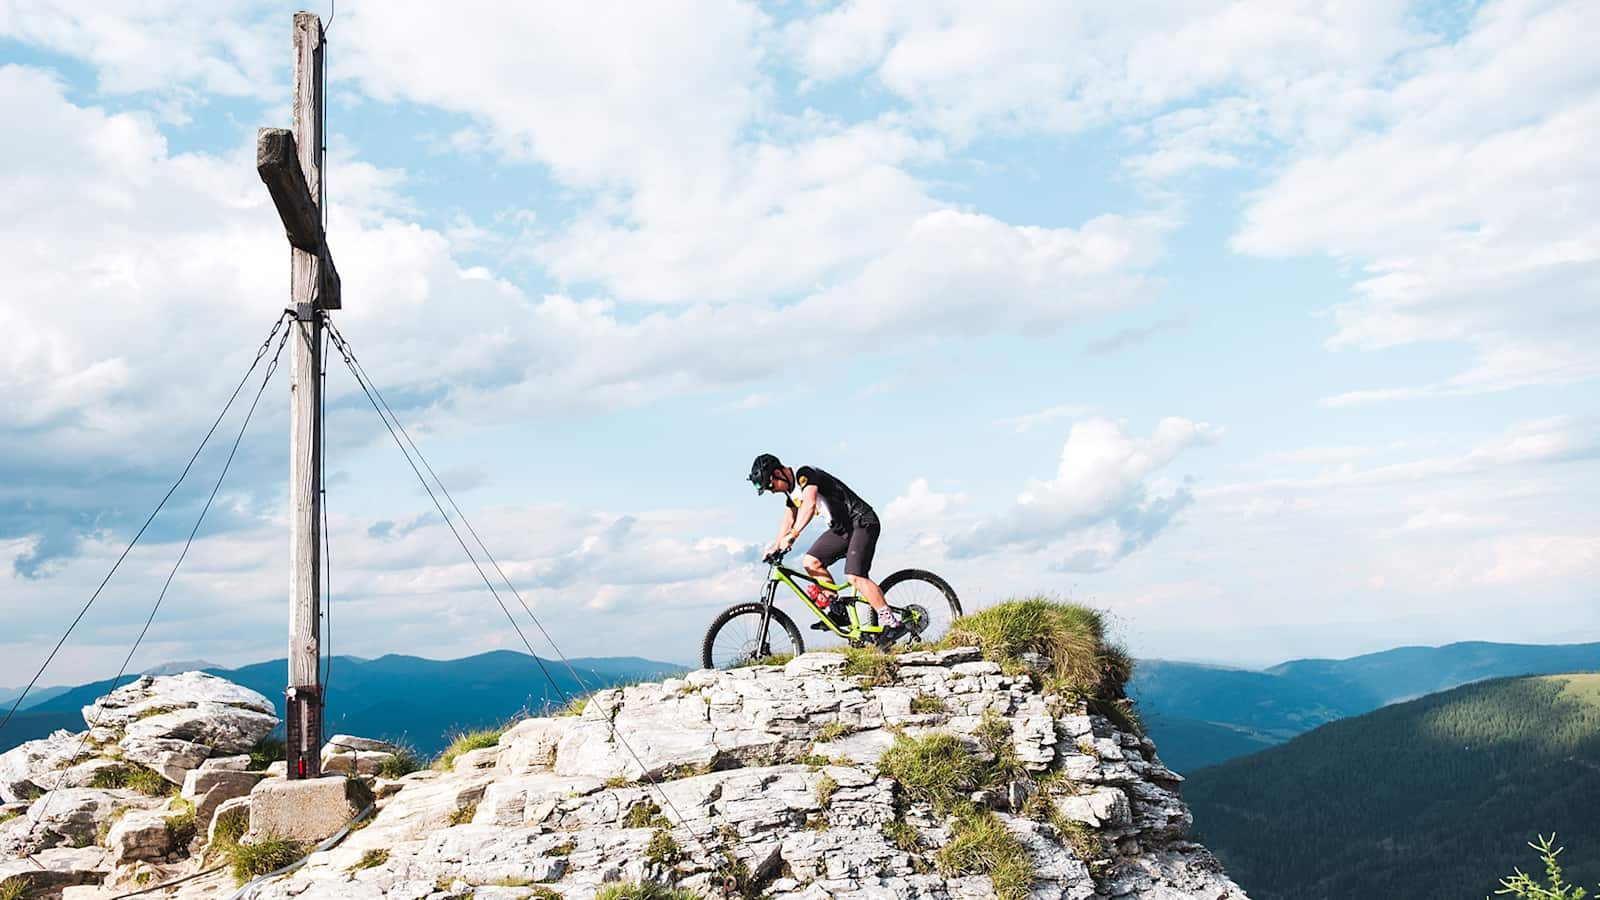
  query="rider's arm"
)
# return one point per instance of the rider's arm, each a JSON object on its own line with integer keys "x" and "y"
{"x": 808, "y": 508}
{"x": 788, "y": 522}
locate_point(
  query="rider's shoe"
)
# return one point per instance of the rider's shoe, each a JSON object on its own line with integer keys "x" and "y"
{"x": 838, "y": 614}
{"x": 889, "y": 635}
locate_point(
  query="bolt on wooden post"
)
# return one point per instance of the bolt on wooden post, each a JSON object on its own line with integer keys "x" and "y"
{"x": 290, "y": 164}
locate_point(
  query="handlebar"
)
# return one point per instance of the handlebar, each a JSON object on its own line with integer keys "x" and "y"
{"x": 775, "y": 557}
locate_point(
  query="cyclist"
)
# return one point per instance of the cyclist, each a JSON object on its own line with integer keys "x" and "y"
{"x": 852, "y": 533}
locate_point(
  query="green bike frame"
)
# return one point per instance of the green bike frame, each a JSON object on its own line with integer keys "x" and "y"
{"x": 782, "y": 574}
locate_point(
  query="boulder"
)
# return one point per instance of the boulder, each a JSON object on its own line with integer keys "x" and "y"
{"x": 31, "y": 768}
{"x": 48, "y": 871}
{"x": 1097, "y": 808}
{"x": 208, "y": 789}
{"x": 154, "y": 695}
{"x": 74, "y": 815}
{"x": 170, "y": 757}
{"x": 224, "y": 809}
{"x": 139, "y": 835}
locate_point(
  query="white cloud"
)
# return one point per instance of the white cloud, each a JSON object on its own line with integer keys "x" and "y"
{"x": 1466, "y": 193}
{"x": 919, "y": 506}
{"x": 1101, "y": 504}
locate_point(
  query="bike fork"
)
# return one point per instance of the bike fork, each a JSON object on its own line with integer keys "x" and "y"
{"x": 763, "y": 649}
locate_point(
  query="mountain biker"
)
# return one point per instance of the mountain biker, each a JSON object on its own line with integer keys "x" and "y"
{"x": 852, "y": 532}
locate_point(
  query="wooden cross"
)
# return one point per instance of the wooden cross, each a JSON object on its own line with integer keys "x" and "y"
{"x": 291, "y": 166}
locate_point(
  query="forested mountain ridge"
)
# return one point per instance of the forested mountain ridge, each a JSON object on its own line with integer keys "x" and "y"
{"x": 1202, "y": 714}
{"x": 1430, "y": 798}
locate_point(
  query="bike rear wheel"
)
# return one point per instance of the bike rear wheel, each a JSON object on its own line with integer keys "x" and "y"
{"x": 929, "y": 595}
{"x": 734, "y": 640}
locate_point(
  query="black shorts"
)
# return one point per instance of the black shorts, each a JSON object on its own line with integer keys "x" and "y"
{"x": 857, "y": 548}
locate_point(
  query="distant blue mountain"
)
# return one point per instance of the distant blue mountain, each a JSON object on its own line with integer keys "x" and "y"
{"x": 419, "y": 702}
{"x": 1201, "y": 715}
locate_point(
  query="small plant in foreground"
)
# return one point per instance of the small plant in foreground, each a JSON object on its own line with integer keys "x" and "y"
{"x": 645, "y": 814}
{"x": 832, "y": 731}
{"x": 647, "y": 890}
{"x": 463, "y": 814}
{"x": 1527, "y": 887}
{"x": 181, "y": 826}
{"x": 873, "y": 666}
{"x": 903, "y": 835}
{"x": 15, "y": 887}
{"x": 981, "y": 845}
{"x": 1071, "y": 637}
{"x": 371, "y": 859}
{"x": 135, "y": 777}
{"x": 540, "y": 892}
{"x": 269, "y": 854}
{"x": 403, "y": 761}
{"x": 662, "y": 849}
{"x": 467, "y": 741}
{"x": 774, "y": 659}
{"x": 826, "y": 787}
{"x": 267, "y": 751}
{"x": 934, "y": 769}
{"x": 925, "y": 704}
{"x": 574, "y": 707}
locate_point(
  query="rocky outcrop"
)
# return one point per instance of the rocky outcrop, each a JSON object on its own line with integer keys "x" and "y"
{"x": 770, "y": 779}
{"x": 103, "y": 793}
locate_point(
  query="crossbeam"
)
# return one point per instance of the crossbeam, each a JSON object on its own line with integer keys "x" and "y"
{"x": 278, "y": 164}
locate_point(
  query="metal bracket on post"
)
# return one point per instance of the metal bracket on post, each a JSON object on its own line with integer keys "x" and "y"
{"x": 303, "y": 747}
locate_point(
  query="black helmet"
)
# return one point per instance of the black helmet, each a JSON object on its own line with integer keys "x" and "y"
{"x": 761, "y": 471}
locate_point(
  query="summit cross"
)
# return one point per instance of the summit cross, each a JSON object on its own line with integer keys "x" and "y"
{"x": 290, "y": 164}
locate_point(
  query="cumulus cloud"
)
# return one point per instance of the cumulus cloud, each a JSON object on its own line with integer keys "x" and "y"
{"x": 1101, "y": 505}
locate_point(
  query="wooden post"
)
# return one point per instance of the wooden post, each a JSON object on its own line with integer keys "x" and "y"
{"x": 304, "y": 695}
{"x": 291, "y": 167}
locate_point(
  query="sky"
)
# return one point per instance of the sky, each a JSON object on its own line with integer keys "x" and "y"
{"x": 1267, "y": 328}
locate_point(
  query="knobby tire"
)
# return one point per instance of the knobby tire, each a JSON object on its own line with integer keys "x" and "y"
{"x": 931, "y": 589}
{"x": 778, "y": 623}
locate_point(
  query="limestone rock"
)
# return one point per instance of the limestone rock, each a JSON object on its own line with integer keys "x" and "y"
{"x": 30, "y": 768}
{"x": 208, "y": 789}
{"x": 171, "y": 757}
{"x": 139, "y": 835}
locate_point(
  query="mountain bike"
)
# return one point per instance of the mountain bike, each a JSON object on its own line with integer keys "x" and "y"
{"x": 748, "y": 633}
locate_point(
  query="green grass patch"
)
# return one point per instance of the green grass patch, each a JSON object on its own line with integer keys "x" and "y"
{"x": 540, "y": 892}
{"x": 230, "y": 826}
{"x": 8, "y": 816}
{"x": 646, "y": 890}
{"x": 269, "y": 854}
{"x": 181, "y": 826}
{"x": 463, "y": 814}
{"x": 981, "y": 845}
{"x": 403, "y": 762}
{"x": 465, "y": 742}
{"x": 371, "y": 859}
{"x": 775, "y": 659}
{"x": 662, "y": 849}
{"x": 826, "y": 788}
{"x": 832, "y": 731}
{"x": 574, "y": 707}
{"x": 645, "y": 814}
{"x": 870, "y": 664}
{"x": 15, "y": 888}
{"x": 133, "y": 776}
{"x": 266, "y": 752}
{"x": 154, "y": 711}
{"x": 1071, "y": 637}
{"x": 934, "y": 769}
{"x": 926, "y": 704}
{"x": 903, "y": 835}
{"x": 562, "y": 849}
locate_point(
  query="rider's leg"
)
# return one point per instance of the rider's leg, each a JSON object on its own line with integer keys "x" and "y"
{"x": 816, "y": 569}
{"x": 858, "y": 562}
{"x": 827, "y": 549}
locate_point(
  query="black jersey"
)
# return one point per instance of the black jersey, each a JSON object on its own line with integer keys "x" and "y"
{"x": 843, "y": 508}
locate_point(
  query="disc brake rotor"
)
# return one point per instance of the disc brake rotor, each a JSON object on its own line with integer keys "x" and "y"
{"x": 919, "y": 620}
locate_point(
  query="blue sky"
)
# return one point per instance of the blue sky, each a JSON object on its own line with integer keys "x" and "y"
{"x": 1268, "y": 330}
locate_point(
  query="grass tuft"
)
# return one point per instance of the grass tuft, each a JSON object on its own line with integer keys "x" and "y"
{"x": 1071, "y": 637}
{"x": 266, "y": 752}
{"x": 647, "y": 890}
{"x": 903, "y": 835}
{"x": 181, "y": 826}
{"x": 371, "y": 859}
{"x": 404, "y": 761}
{"x": 15, "y": 888}
{"x": 266, "y": 855}
{"x": 467, "y": 741}
{"x": 135, "y": 777}
{"x": 645, "y": 814}
{"x": 924, "y": 704}
{"x": 934, "y": 769}
{"x": 832, "y": 731}
{"x": 662, "y": 849}
{"x": 231, "y": 826}
{"x": 463, "y": 814}
{"x": 873, "y": 666}
{"x": 826, "y": 788}
{"x": 981, "y": 845}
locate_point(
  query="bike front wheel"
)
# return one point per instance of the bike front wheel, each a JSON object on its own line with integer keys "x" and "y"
{"x": 734, "y": 638}
{"x": 931, "y": 597}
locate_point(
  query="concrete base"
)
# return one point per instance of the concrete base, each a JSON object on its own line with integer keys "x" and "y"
{"x": 307, "y": 810}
